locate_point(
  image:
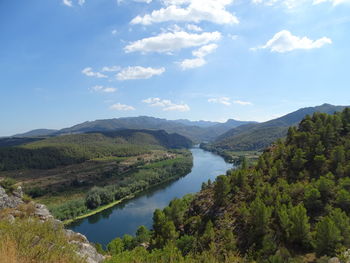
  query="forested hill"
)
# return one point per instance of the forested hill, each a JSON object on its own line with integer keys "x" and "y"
{"x": 197, "y": 131}
{"x": 77, "y": 148}
{"x": 293, "y": 206}
{"x": 260, "y": 135}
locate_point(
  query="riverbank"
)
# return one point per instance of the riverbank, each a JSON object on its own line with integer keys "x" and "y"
{"x": 234, "y": 157}
{"x": 126, "y": 217}
{"x": 129, "y": 197}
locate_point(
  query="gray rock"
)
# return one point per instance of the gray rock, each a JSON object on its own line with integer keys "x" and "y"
{"x": 84, "y": 248}
{"x": 334, "y": 260}
{"x": 42, "y": 212}
{"x": 89, "y": 252}
{"x": 7, "y": 201}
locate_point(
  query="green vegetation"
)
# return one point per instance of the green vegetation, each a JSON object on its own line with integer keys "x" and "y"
{"x": 140, "y": 179}
{"x": 292, "y": 206}
{"x": 255, "y": 137}
{"x": 28, "y": 240}
{"x": 234, "y": 157}
{"x": 72, "y": 149}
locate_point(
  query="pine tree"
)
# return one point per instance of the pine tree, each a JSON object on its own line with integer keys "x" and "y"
{"x": 327, "y": 237}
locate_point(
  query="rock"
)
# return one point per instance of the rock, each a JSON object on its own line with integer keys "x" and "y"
{"x": 18, "y": 192}
{"x": 334, "y": 260}
{"x": 42, "y": 212}
{"x": 7, "y": 201}
{"x": 84, "y": 248}
{"x": 89, "y": 252}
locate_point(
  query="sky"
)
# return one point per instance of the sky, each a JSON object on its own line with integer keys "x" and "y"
{"x": 63, "y": 62}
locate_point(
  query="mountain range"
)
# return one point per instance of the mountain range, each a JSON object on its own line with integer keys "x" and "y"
{"x": 232, "y": 135}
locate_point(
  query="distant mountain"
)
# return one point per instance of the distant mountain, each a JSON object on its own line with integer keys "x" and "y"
{"x": 36, "y": 133}
{"x": 202, "y": 124}
{"x": 260, "y": 135}
{"x": 197, "y": 131}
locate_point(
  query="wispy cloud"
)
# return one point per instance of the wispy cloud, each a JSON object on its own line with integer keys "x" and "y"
{"x": 90, "y": 73}
{"x": 111, "y": 69}
{"x": 103, "y": 89}
{"x": 172, "y": 41}
{"x": 285, "y": 41}
{"x": 166, "y": 105}
{"x": 243, "y": 103}
{"x": 199, "y": 55}
{"x": 121, "y": 107}
{"x": 139, "y": 72}
{"x": 222, "y": 100}
{"x": 190, "y": 11}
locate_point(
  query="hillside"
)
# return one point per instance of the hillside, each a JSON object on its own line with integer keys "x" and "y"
{"x": 260, "y": 135}
{"x": 61, "y": 171}
{"x": 293, "y": 206}
{"x": 197, "y": 131}
{"x": 36, "y": 133}
{"x": 77, "y": 148}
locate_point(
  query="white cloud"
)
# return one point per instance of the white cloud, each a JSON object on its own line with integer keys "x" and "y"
{"x": 67, "y": 3}
{"x": 222, "y": 100}
{"x": 171, "y": 41}
{"x": 143, "y": 1}
{"x": 205, "y": 50}
{"x": 243, "y": 103}
{"x": 290, "y": 4}
{"x": 114, "y": 32}
{"x": 166, "y": 105}
{"x": 199, "y": 55}
{"x": 103, "y": 89}
{"x": 284, "y": 41}
{"x": 192, "y": 63}
{"x": 190, "y": 11}
{"x": 88, "y": 72}
{"x": 139, "y": 73}
{"x": 70, "y": 2}
{"x": 121, "y": 107}
{"x": 111, "y": 69}
{"x": 334, "y": 2}
{"x": 193, "y": 27}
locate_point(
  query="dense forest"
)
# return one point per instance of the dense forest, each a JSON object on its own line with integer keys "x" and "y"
{"x": 70, "y": 149}
{"x": 292, "y": 206}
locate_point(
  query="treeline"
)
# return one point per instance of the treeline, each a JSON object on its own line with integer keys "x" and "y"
{"x": 138, "y": 180}
{"x": 292, "y": 206}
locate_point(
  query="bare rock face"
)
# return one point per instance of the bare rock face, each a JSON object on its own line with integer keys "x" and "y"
{"x": 7, "y": 201}
{"x": 84, "y": 248}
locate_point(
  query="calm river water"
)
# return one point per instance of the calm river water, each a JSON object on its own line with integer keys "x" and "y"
{"x": 125, "y": 218}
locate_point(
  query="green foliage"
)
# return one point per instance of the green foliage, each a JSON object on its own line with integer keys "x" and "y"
{"x": 221, "y": 189}
{"x": 29, "y": 240}
{"x": 77, "y": 148}
{"x": 328, "y": 237}
{"x": 8, "y": 184}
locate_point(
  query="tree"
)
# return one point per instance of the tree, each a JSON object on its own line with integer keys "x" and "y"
{"x": 143, "y": 235}
{"x": 208, "y": 236}
{"x": 116, "y": 246}
{"x": 327, "y": 237}
{"x": 343, "y": 200}
{"x": 221, "y": 189}
{"x": 93, "y": 200}
{"x": 300, "y": 226}
{"x": 260, "y": 216}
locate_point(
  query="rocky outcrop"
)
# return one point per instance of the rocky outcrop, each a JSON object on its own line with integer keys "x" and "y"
{"x": 14, "y": 201}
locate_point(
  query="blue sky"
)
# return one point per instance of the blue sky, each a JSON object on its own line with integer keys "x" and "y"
{"x": 63, "y": 62}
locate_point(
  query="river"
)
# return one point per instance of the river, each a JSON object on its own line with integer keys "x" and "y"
{"x": 125, "y": 218}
